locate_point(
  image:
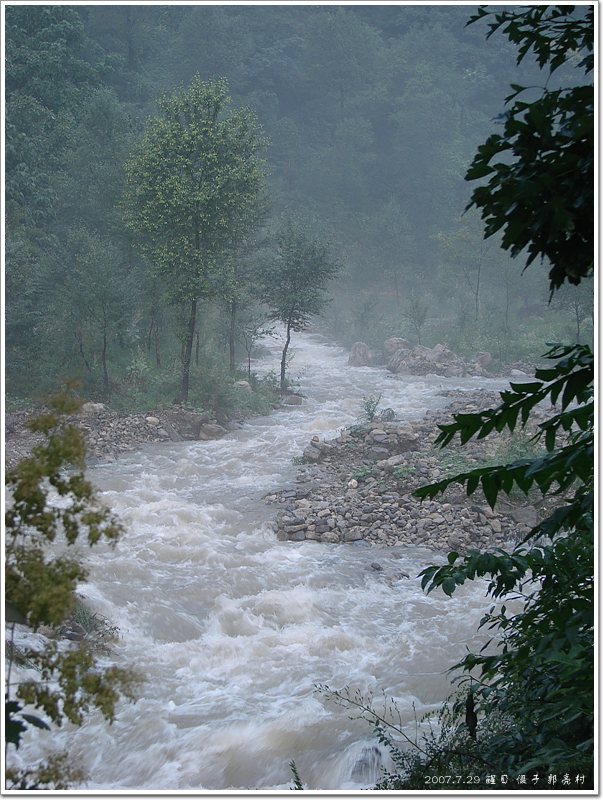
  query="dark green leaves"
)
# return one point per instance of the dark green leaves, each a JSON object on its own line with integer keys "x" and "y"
{"x": 543, "y": 197}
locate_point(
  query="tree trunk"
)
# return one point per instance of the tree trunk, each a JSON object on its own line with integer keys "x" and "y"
{"x": 150, "y": 334}
{"x": 231, "y": 336}
{"x": 182, "y": 396}
{"x": 284, "y": 358}
{"x": 156, "y": 339}
{"x": 106, "y": 385}
{"x": 78, "y": 336}
{"x": 479, "y": 271}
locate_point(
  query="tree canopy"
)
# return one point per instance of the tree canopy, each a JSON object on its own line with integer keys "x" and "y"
{"x": 193, "y": 184}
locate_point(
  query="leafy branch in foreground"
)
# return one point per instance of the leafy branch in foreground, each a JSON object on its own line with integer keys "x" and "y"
{"x": 546, "y": 149}
{"x": 51, "y": 503}
{"x": 562, "y": 465}
{"x": 538, "y": 665}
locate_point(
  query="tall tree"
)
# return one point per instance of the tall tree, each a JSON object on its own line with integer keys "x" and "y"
{"x": 535, "y": 686}
{"x": 192, "y": 182}
{"x": 294, "y": 284}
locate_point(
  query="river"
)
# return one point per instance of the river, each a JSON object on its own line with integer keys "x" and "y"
{"x": 232, "y": 629}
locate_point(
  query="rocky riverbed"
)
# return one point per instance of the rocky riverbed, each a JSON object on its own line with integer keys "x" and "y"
{"x": 109, "y": 434}
{"x": 354, "y": 489}
{"x": 357, "y": 488}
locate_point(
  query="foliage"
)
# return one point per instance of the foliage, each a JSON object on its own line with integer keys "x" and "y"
{"x": 536, "y": 671}
{"x": 544, "y": 145}
{"x": 293, "y": 285}
{"x": 370, "y": 406}
{"x": 51, "y": 503}
{"x": 193, "y": 185}
{"x": 372, "y": 113}
{"x": 297, "y": 782}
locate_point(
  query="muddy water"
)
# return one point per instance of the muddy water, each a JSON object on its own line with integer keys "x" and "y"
{"x": 232, "y": 629}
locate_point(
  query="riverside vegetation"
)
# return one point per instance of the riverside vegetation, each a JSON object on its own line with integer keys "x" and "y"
{"x": 358, "y": 125}
{"x": 526, "y": 706}
{"x": 524, "y": 715}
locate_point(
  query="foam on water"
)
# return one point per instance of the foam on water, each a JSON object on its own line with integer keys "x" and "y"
{"x": 232, "y": 629}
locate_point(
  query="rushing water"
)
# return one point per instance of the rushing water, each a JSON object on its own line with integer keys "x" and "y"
{"x": 232, "y": 629}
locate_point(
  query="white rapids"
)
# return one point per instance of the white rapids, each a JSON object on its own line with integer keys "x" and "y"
{"x": 232, "y": 629}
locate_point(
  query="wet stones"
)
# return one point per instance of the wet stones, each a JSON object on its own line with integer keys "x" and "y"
{"x": 350, "y": 497}
{"x": 109, "y": 434}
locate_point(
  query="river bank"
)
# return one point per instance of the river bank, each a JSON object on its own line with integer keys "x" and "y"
{"x": 234, "y": 628}
{"x": 357, "y": 487}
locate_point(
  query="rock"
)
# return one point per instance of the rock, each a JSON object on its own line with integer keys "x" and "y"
{"x": 483, "y": 358}
{"x": 152, "y": 421}
{"x": 390, "y": 346}
{"x": 527, "y": 515}
{"x": 187, "y": 424}
{"x": 211, "y": 431}
{"x": 387, "y": 415}
{"x": 519, "y": 373}
{"x": 88, "y": 409}
{"x": 312, "y": 453}
{"x": 398, "y": 363}
{"x": 244, "y": 385}
{"x": 353, "y": 484}
{"x": 376, "y": 566}
{"x": 360, "y": 355}
{"x": 292, "y": 399}
{"x": 330, "y": 536}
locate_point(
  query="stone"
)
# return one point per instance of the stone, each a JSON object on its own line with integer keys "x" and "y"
{"x": 244, "y": 385}
{"x": 353, "y": 484}
{"x": 392, "y": 345}
{"x": 360, "y": 355}
{"x": 88, "y": 409}
{"x": 292, "y": 400}
{"x": 312, "y": 453}
{"x": 211, "y": 431}
{"x": 330, "y": 537}
{"x": 376, "y": 566}
{"x": 187, "y": 424}
{"x": 152, "y": 421}
{"x": 525, "y": 516}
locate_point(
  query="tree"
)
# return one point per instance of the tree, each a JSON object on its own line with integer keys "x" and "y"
{"x": 40, "y": 586}
{"x": 532, "y": 193}
{"x": 535, "y": 686}
{"x": 529, "y": 710}
{"x": 294, "y": 283}
{"x": 192, "y": 183}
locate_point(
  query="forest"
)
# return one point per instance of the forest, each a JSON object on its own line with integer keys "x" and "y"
{"x": 365, "y": 121}
{"x": 210, "y": 211}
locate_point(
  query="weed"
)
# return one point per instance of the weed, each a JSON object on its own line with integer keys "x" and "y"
{"x": 370, "y": 405}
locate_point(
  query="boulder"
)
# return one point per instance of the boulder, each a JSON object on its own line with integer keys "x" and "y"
{"x": 292, "y": 399}
{"x": 312, "y": 454}
{"x": 187, "y": 424}
{"x": 360, "y": 355}
{"x": 244, "y": 385}
{"x": 211, "y": 431}
{"x": 398, "y": 362}
{"x": 390, "y": 346}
